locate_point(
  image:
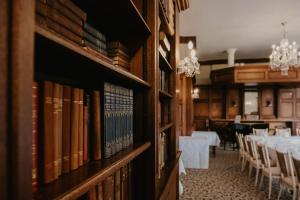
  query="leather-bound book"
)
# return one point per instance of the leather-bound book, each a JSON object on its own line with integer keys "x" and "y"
{"x": 60, "y": 121}
{"x": 100, "y": 191}
{"x": 80, "y": 128}
{"x": 107, "y": 120}
{"x": 94, "y": 32}
{"x": 57, "y": 128}
{"x": 66, "y": 129}
{"x": 57, "y": 17}
{"x": 108, "y": 190}
{"x": 129, "y": 190}
{"x": 74, "y": 8}
{"x": 65, "y": 11}
{"x": 124, "y": 184}
{"x": 35, "y": 107}
{"x": 74, "y": 129}
{"x": 96, "y": 126}
{"x": 92, "y": 194}
{"x": 117, "y": 45}
{"x": 118, "y": 185}
{"x": 86, "y": 122}
{"x": 41, "y": 8}
{"x": 48, "y": 137}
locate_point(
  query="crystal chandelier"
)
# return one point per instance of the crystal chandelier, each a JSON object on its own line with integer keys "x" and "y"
{"x": 285, "y": 55}
{"x": 189, "y": 65}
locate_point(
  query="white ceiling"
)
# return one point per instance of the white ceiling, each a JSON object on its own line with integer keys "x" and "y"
{"x": 251, "y": 26}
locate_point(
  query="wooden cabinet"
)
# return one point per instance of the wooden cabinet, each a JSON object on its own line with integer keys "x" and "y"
{"x": 267, "y": 104}
{"x": 286, "y": 103}
{"x": 233, "y": 103}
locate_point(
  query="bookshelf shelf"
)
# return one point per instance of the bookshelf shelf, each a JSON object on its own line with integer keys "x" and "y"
{"x": 73, "y": 54}
{"x": 120, "y": 20}
{"x": 164, "y": 63}
{"x": 163, "y": 94}
{"x": 166, "y": 127}
{"x": 76, "y": 183}
{"x": 164, "y": 19}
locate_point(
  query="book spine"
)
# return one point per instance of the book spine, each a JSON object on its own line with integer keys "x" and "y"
{"x": 92, "y": 194}
{"x": 118, "y": 119}
{"x": 100, "y": 191}
{"x": 97, "y": 126}
{"x": 107, "y": 119}
{"x": 60, "y": 121}
{"x": 35, "y": 111}
{"x": 117, "y": 185}
{"x": 131, "y": 118}
{"x": 108, "y": 190}
{"x": 66, "y": 129}
{"x": 124, "y": 183}
{"x": 86, "y": 122}
{"x": 128, "y": 117}
{"x": 65, "y": 11}
{"x": 114, "y": 118}
{"x": 93, "y": 46}
{"x": 48, "y": 132}
{"x": 74, "y": 129}
{"x": 94, "y": 40}
{"x": 97, "y": 34}
{"x": 74, "y": 8}
{"x": 130, "y": 181}
{"x": 56, "y": 131}
{"x": 57, "y": 17}
{"x": 123, "y": 119}
{"x": 80, "y": 128}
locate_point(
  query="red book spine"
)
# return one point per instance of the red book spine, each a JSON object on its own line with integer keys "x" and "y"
{"x": 80, "y": 128}
{"x": 74, "y": 129}
{"x": 66, "y": 129}
{"x": 48, "y": 143}
{"x": 35, "y": 103}
{"x": 97, "y": 126}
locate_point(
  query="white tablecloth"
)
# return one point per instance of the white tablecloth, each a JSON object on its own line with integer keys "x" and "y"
{"x": 212, "y": 136}
{"x": 195, "y": 151}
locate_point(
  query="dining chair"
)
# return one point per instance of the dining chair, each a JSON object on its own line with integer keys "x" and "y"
{"x": 288, "y": 178}
{"x": 268, "y": 170}
{"x": 283, "y": 132}
{"x": 298, "y": 131}
{"x": 296, "y": 162}
{"x": 255, "y": 161}
{"x": 260, "y": 132}
{"x": 247, "y": 156}
{"x": 242, "y": 151}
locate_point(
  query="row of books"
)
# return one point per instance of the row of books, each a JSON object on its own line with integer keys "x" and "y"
{"x": 164, "y": 81}
{"x": 162, "y": 152}
{"x": 67, "y": 127}
{"x": 163, "y": 113}
{"x": 168, "y": 8}
{"x": 119, "y": 54}
{"x": 117, "y": 186}
{"x": 67, "y": 19}
{"x": 118, "y": 118}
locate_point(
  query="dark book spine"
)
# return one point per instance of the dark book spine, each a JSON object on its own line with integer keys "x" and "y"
{"x": 130, "y": 181}
{"x": 97, "y": 34}
{"x": 128, "y": 118}
{"x": 100, "y": 191}
{"x": 74, "y": 8}
{"x": 35, "y": 111}
{"x": 48, "y": 142}
{"x": 57, "y": 17}
{"x": 118, "y": 119}
{"x": 94, "y": 40}
{"x": 108, "y": 188}
{"x": 107, "y": 120}
{"x": 92, "y": 194}
{"x": 112, "y": 140}
{"x": 65, "y": 11}
{"x": 97, "y": 126}
{"x": 118, "y": 185}
{"x": 80, "y": 128}
{"x": 74, "y": 129}
{"x": 124, "y": 184}
{"x": 66, "y": 129}
{"x": 86, "y": 121}
{"x": 93, "y": 46}
{"x": 131, "y": 117}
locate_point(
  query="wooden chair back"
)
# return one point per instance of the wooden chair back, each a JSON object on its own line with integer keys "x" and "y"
{"x": 296, "y": 163}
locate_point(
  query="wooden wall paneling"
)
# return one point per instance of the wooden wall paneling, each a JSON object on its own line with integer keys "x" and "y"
{"x": 179, "y": 110}
{"x": 189, "y": 107}
{"x": 184, "y": 102}
{"x": 297, "y": 103}
{"x": 286, "y": 103}
{"x": 4, "y": 56}
{"x": 20, "y": 106}
{"x": 217, "y": 103}
{"x": 267, "y": 103}
{"x": 201, "y": 109}
{"x": 233, "y": 103}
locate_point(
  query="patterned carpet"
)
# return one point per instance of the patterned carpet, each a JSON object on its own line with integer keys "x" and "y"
{"x": 223, "y": 180}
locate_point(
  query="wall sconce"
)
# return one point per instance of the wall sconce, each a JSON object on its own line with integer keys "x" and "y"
{"x": 195, "y": 93}
{"x": 268, "y": 103}
{"x": 233, "y": 103}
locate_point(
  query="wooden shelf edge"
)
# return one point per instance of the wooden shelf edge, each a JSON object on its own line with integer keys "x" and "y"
{"x": 166, "y": 62}
{"x": 141, "y": 17}
{"x": 84, "y": 186}
{"x": 81, "y": 51}
{"x": 165, "y": 94}
{"x": 166, "y": 127}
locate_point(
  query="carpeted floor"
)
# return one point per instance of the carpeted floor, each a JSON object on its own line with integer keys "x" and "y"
{"x": 223, "y": 180}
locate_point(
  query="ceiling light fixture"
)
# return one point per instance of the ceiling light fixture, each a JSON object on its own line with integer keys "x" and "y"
{"x": 284, "y": 56}
{"x": 189, "y": 65}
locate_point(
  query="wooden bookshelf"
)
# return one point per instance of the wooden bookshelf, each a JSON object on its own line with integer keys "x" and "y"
{"x": 166, "y": 127}
{"x": 163, "y": 94}
{"x": 164, "y": 19}
{"x": 67, "y": 187}
{"x": 164, "y": 63}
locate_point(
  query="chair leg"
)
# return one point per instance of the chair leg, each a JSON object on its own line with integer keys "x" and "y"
{"x": 280, "y": 191}
{"x": 250, "y": 170}
{"x": 256, "y": 176}
{"x": 270, "y": 187}
{"x": 294, "y": 193}
{"x": 243, "y": 164}
{"x": 261, "y": 180}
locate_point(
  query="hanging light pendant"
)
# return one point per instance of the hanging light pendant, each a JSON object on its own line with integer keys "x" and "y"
{"x": 284, "y": 56}
{"x": 189, "y": 65}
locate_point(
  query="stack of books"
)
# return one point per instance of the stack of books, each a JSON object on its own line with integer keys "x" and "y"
{"x": 164, "y": 44}
{"x": 66, "y": 122}
{"x": 117, "y": 186}
{"x": 63, "y": 17}
{"x": 94, "y": 39}
{"x": 119, "y": 55}
{"x": 118, "y": 119}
